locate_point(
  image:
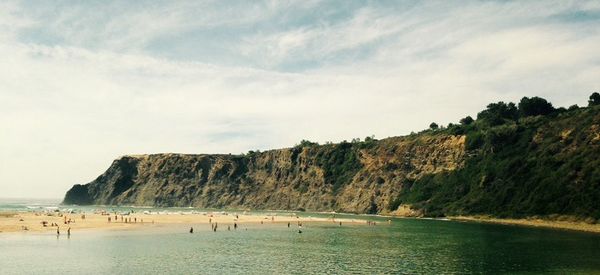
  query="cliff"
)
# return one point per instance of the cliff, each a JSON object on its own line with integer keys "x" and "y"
{"x": 361, "y": 177}
{"x": 510, "y": 162}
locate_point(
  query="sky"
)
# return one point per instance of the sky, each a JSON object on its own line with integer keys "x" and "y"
{"x": 85, "y": 82}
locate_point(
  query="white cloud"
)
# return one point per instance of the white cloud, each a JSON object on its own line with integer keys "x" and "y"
{"x": 71, "y": 105}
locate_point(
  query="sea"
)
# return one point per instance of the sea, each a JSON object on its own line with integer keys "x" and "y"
{"x": 400, "y": 246}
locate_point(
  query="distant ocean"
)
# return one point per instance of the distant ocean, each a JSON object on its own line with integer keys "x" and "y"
{"x": 12, "y": 204}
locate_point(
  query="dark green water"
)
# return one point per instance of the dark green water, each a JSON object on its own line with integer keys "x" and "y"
{"x": 406, "y": 246}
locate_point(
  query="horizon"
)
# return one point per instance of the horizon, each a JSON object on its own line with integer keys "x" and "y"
{"x": 85, "y": 83}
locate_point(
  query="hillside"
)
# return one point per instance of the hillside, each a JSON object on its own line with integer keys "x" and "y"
{"x": 512, "y": 161}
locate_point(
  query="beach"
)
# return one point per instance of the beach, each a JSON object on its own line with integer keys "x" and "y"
{"x": 407, "y": 245}
{"x": 34, "y": 221}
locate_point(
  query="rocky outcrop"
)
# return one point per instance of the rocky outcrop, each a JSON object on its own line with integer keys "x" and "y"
{"x": 361, "y": 177}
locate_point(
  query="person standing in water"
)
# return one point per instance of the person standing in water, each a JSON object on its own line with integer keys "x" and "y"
{"x": 57, "y": 231}
{"x": 234, "y": 226}
{"x": 69, "y": 232}
{"x": 191, "y": 230}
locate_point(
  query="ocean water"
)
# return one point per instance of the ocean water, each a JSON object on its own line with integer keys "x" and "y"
{"x": 407, "y": 246}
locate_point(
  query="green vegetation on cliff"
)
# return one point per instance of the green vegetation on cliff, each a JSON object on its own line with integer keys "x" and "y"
{"x": 513, "y": 160}
{"x": 526, "y": 160}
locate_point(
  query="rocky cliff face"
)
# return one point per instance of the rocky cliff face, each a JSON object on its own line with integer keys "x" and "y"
{"x": 363, "y": 177}
{"x": 510, "y": 162}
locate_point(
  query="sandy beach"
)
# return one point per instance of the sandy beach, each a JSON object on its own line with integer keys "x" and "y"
{"x": 533, "y": 222}
{"x": 33, "y": 221}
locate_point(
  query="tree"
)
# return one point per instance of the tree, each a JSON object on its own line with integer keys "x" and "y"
{"x": 433, "y": 126}
{"x": 573, "y": 107}
{"x": 535, "y": 106}
{"x": 306, "y": 143}
{"x": 594, "y": 99}
{"x": 498, "y": 113}
{"x": 467, "y": 120}
{"x": 370, "y": 138}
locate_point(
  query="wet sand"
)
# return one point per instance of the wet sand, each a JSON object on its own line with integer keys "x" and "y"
{"x": 563, "y": 225}
{"x": 32, "y": 221}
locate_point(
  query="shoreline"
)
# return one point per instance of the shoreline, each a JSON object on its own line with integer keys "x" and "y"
{"x": 34, "y": 221}
{"x": 532, "y": 222}
{"x": 14, "y": 221}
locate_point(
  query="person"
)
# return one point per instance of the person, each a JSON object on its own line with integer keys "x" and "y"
{"x": 234, "y": 226}
{"x": 135, "y": 220}
{"x": 288, "y": 224}
{"x": 69, "y": 232}
{"x": 108, "y": 219}
{"x": 340, "y": 223}
{"x": 228, "y": 228}
{"x": 191, "y": 230}
{"x": 57, "y": 231}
